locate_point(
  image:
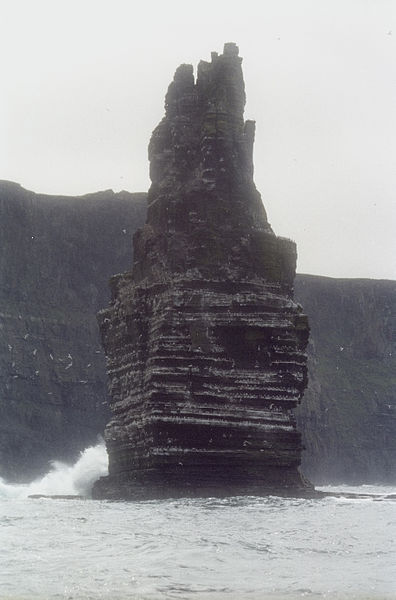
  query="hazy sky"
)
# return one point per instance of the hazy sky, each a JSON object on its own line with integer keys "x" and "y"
{"x": 83, "y": 86}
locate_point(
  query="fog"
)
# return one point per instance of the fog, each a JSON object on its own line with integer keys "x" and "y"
{"x": 84, "y": 83}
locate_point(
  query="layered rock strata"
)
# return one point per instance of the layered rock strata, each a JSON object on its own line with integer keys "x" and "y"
{"x": 52, "y": 285}
{"x": 54, "y": 267}
{"x": 348, "y": 417}
{"x": 204, "y": 343}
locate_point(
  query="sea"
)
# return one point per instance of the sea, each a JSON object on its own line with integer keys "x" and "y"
{"x": 252, "y": 548}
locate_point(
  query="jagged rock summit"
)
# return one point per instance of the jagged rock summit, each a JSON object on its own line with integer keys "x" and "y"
{"x": 204, "y": 343}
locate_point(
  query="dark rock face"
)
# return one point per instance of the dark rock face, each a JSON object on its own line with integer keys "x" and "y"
{"x": 204, "y": 344}
{"x": 52, "y": 285}
{"x": 54, "y": 268}
{"x": 348, "y": 417}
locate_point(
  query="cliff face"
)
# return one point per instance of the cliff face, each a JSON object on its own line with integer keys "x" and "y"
{"x": 51, "y": 288}
{"x": 54, "y": 269}
{"x": 348, "y": 417}
{"x": 205, "y": 345}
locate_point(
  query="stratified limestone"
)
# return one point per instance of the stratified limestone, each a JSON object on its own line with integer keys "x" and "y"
{"x": 54, "y": 266}
{"x": 205, "y": 346}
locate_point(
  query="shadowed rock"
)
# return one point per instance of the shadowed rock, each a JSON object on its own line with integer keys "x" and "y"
{"x": 54, "y": 267}
{"x": 204, "y": 343}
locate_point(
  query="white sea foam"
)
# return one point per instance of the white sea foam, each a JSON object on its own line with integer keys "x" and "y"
{"x": 378, "y": 490}
{"x": 63, "y": 478}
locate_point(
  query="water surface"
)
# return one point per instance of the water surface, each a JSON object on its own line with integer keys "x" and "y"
{"x": 242, "y": 547}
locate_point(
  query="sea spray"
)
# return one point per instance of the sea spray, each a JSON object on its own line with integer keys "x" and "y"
{"x": 63, "y": 478}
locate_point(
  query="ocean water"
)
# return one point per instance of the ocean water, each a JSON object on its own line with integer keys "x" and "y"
{"x": 233, "y": 548}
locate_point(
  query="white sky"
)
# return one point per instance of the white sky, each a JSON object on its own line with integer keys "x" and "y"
{"x": 83, "y": 85}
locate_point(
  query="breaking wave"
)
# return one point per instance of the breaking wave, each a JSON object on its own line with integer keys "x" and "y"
{"x": 64, "y": 479}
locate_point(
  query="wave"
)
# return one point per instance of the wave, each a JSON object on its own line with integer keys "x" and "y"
{"x": 78, "y": 479}
{"x": 64, "y": 479}
{"x": 365, "y": 488}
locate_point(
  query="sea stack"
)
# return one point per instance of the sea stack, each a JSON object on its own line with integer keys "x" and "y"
{"x": 204, "y": 343}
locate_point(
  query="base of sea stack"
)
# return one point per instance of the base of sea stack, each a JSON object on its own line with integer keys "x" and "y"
{"x": 120, "y": 488}
{"x": 279, "y": 482}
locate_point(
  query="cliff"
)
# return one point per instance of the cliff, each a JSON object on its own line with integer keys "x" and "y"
{"x": 204, "y": 344}
{"x": 54, "y": 268}
{"x": 348, "y": 417}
